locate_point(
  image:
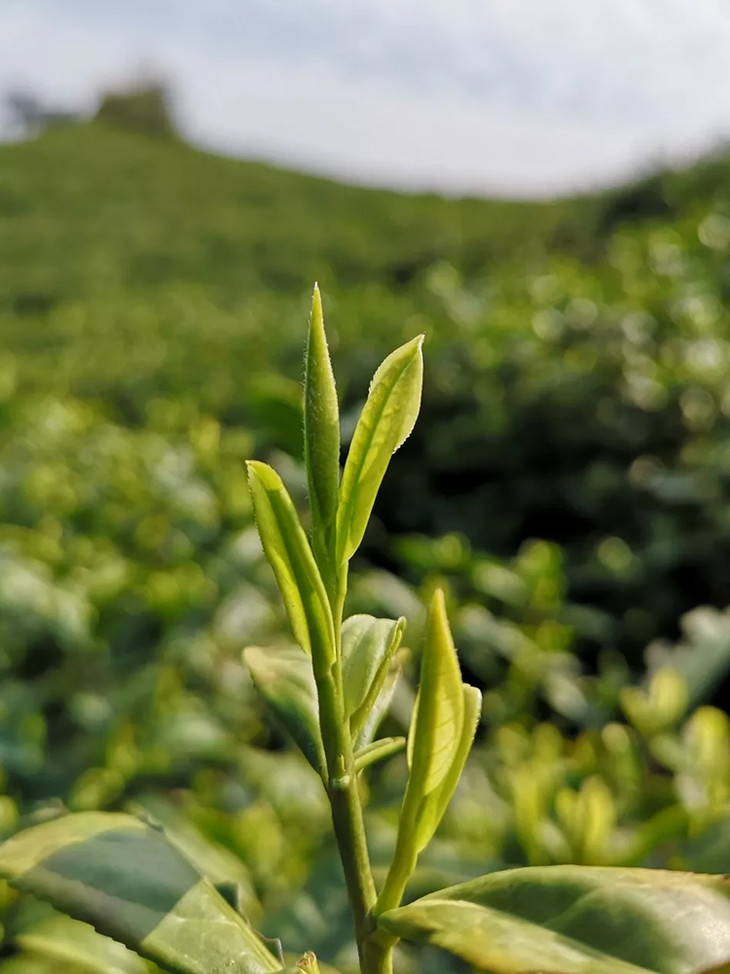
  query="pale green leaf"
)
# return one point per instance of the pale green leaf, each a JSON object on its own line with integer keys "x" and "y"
{"x": 131, "y": 884}
{"x": 285, "y": 680}
{"x": 438, "y": 717}
{"x": 377, "y": 751}
{"x": 434, "y": 805}
{"x": 386, "y": 421}
{"x": 70, "y": 943}
{"x": 379, "y": 709}
{"x": 290, "y": 556}
{"x": 368, "y": 648}
{"x": 577, "y": 920}
{"x": 321, "y": 435}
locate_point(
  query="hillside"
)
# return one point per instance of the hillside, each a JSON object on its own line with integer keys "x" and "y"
{"x": 567, "y": 341}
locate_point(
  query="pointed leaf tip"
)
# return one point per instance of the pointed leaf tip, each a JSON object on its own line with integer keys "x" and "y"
{"x": 321, "y": 437}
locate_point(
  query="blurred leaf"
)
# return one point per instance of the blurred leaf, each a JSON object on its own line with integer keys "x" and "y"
{"x": 131, "y": 884}
{"x": 65, "y": 941}
{"x": 577, "y": 920}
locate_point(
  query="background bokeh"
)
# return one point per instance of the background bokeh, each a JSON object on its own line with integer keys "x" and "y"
{"x": 567, "y": 482}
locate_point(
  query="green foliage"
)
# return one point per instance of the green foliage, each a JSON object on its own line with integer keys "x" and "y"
{"x": 570, "y": 920}
{"x": 150, "y": 309}
{"x": 128, "y": 880}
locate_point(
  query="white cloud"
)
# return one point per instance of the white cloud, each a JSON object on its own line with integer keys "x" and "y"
{"x": 522, "y": 95}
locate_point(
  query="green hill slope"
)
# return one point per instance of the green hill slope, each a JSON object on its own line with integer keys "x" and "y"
{"x": 571, "y": 345}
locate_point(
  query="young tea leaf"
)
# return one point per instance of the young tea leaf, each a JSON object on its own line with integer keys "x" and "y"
{"x": 370, "y": 725}
{"x": 321, "y": 435}
{"x": 130, "y": 883}
{"x": 285, "y": 680}
{"x": 385, "y": 422}
{"x": 438, "y": 718}
{"x": 434, "y": 805}
{"x": 577, "y": 920}
{"x": 368, "y": 648}
{"x": 287, "y": 549}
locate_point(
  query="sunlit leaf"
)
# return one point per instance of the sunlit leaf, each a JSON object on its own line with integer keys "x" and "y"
{"x": 285, "y": 680}
{"x": 385, "y": 422}
{"x": 321, "y": 435}
{"x": 290, "y": 556}
{"x": 131, "y": 884}
{"x": 438, "y": 718}
{"x": 577, "y": 920}
{"x": 434, "y": 805}
{"x": 368, "y": 647}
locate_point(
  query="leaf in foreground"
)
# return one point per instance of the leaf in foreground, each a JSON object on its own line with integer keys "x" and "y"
{"x": 130, "y": 883}
{"x": 577, "y": 920}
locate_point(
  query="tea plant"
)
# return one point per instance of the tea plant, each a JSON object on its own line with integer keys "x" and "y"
{"x": 125, "y": 878}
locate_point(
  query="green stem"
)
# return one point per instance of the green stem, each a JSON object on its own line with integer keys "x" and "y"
{"x": 402, "y": 865}
{"x": 344, "y": 798}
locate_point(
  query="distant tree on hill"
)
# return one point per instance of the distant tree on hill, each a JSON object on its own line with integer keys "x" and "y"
{"x": 144, "y": 108}
{"x": 29, "y": 114}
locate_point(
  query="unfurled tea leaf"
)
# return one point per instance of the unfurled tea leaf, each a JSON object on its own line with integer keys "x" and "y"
{"x": 385, "y": 422}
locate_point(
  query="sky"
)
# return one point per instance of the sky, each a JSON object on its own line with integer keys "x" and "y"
{"x": 507, "y": 97}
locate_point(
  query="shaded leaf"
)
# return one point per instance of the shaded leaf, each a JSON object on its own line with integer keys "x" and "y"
{"x": 130, "y": 883}
{"x": 577, "y": 920}
{"x": 385, "y": 422}
{"x": 321, "y": 435}
{"x": 290, "y": 556}
{"x": 368, "y": 647}
{"x": 285, "y": 680}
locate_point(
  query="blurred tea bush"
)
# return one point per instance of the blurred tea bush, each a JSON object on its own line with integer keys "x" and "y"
{"x": 567, "y": 484}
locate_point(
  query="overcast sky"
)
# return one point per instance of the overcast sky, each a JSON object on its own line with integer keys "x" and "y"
{"x": 508, "y": 96}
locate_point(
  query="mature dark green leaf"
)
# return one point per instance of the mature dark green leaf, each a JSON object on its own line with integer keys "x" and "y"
{"x": 130, "y": 883}
{"x": 290, "y": 556}
{"x": 368, "y": 647}
{"x": 285, "y": 680}
{"x": 577, "y": 920}
{"x": 321, "y": 435}
{"x": 385, "y": 422}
